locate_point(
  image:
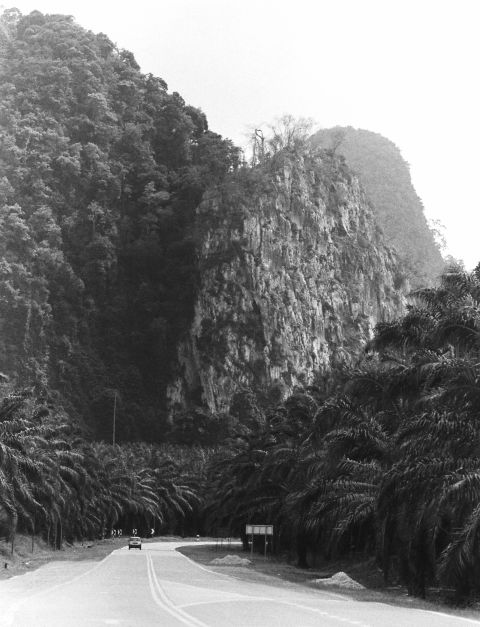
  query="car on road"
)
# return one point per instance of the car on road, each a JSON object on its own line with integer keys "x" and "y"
{"x": 134, "y": 542}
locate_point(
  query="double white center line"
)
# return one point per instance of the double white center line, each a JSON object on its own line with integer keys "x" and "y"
{"x": 164, "y": 602}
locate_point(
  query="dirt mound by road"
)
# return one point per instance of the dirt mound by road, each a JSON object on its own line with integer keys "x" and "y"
{"x": 230, "y": 560}
{"x": 342, "y": 580}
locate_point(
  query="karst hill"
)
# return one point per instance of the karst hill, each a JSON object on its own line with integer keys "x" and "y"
{"x": 142, "y": 260}
{"x": 385, "y": 176}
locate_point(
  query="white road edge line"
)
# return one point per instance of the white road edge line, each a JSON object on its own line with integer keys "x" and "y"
{"x": 338, "y": 596}
{"x": 341, "y": 619}
{"x": 162, "y": 600}
{"x": 329, "y": 595}
{"x": 467, "y": 620}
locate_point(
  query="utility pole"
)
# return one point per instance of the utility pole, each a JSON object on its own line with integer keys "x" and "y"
{"x": 114, "y": 416}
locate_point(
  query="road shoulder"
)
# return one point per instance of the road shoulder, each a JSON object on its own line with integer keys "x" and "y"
{"x": 271, "y": 571}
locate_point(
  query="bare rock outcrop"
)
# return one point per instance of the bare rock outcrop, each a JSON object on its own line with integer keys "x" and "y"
{"x": 294, "y": 273}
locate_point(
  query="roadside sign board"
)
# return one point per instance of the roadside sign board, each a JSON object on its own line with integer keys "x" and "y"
{"x": 259, "y": 530}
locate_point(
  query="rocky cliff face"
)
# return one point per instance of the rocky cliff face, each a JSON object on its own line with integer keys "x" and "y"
{"x": 385, "y": 176}
{"x": 294, "y": 274}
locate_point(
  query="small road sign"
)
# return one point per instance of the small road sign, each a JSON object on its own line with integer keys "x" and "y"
{"x": 259, "y": 530}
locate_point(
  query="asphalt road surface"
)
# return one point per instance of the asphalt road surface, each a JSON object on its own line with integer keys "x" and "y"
{"x": 158, "y": 586}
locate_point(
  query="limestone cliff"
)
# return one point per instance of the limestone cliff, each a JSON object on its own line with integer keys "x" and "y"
{"x": 293, "y": 276}
{"x": 385, "y": 176}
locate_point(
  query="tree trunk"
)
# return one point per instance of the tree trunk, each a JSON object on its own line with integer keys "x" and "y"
{"x": 302, "y": 548}
{"x": 13, "y": 529}
{"x": 417, "y": 586}
{"x": 462, "y": 592}
{"x": 244, "y": 538}
{"x": 33, "y": 533}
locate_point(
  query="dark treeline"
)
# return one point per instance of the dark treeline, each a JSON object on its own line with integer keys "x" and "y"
{"x": 101, "y": 170}
{"x": 56, "y": 485}
{"x": 382, "y": 461}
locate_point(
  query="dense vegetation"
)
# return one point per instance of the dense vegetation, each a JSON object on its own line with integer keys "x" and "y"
{"x": 101, "y": 170}
{"x": 382, "y": 461}
{"x": 387, "y": 462}
{"x": 385, "y": 176}
{"x": 55, "y": 484}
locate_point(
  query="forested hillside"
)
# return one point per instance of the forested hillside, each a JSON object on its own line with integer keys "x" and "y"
{"x": 103, "y": 239}
{"x": 385, "y": 176}
{"x": 116, "y": 269}
{"x": 101, "y": 170}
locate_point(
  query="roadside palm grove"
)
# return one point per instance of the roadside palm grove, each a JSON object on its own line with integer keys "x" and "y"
{"x": 382, "y": 459}
{"x": 388, "y": 463}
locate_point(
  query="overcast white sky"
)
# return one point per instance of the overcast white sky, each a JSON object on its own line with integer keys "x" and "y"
{"x": 406, "y": 69}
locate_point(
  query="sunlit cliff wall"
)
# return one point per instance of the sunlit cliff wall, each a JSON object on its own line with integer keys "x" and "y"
{"x": 293, "y": 276}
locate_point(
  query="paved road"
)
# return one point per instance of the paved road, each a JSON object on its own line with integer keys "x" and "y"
{"x": 160, "y": 587}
